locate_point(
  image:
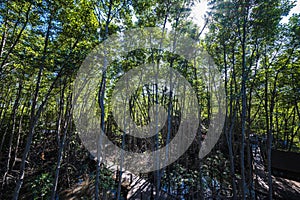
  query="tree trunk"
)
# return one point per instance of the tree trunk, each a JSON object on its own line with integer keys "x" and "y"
{"x": 13, "y": 118}
{"x": 33, "y": 116}
{"x": 62, "y": 144}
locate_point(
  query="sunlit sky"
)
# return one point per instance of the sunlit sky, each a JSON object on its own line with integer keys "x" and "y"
{"x": 296, "y": 9}
{"x": 199, "y": 10}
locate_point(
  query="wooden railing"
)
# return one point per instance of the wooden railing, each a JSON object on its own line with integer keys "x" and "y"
{"x": 286, "y": 164}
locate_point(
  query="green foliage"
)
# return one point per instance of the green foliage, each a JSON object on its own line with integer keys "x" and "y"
{"x": 106, "y": 179}
{"x": 56, "y": 36}
{"x": 41, "y": 186}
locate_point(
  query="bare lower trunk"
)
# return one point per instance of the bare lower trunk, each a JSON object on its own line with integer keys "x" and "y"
{"x": 5, "y": 131}
{"x": 13, "y": 118}
{"x": 18, "y": 137}
{"x": 25, "y": 154}
{"x": 62, "y": 144}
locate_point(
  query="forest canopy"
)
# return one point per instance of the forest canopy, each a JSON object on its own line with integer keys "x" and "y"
{"x": 44, "y": 44}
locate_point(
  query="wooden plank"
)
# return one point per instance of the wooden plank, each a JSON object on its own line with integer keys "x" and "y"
{"x": 139, "y": 188}
{"x": 287, "y": 161}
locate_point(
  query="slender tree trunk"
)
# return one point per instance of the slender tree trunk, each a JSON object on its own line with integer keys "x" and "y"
{"x": 244, "y": 104}
{"x": 34, "y": 116}
{"x": 62, "y": 144}
{"x": 18, "y": 137}
{"x": 4, "y": 134}
{"x": 228, "y": 130}
{"x": 13, "y": 118}
{"x": 101, "y": 96}
{"x": 268, "y": 128}
{"x": 4, "y": 37}
{"x": 17, "y": 38}
{"x": 6, "y": 107}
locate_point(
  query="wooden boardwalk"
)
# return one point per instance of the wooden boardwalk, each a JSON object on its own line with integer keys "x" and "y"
{"x": 133, "y": 187}
{"x": 139, "y": 188}
{"x": 282, "y": 188}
